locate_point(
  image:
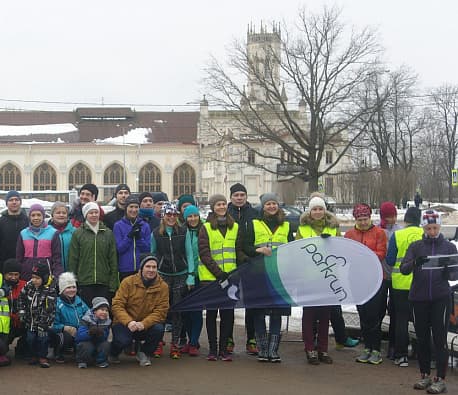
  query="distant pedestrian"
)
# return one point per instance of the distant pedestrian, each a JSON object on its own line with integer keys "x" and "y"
{"x": 417, "y": 200}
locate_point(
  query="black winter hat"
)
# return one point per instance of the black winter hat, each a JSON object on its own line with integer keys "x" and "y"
{"x": 144, "y": 195}
{"x": 91, "y": 188}
{"x": 413, "y": 216}
{"x": 11, "y": 266}
{"x": 237, "y": 188}
{"x": 145, "y": 257}
{"x": 132, "y": 199}
{"x": 121, "y": 187}
{"x": 41, "y": 269}
{"x": 160, "y": 197}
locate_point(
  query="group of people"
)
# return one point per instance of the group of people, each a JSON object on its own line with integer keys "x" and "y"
{"x": 67, "y": 282}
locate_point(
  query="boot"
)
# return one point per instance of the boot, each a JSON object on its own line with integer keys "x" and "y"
{"x": 263, "y": 347}
{"x": 274, "y": 343}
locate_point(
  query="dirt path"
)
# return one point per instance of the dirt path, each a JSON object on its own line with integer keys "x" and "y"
{"x": 242, "y": 376}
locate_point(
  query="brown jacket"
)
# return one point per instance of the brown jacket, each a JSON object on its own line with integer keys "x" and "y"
{"x": 134, "y": 302}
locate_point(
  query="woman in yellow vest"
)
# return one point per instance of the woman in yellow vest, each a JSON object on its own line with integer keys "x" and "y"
{"x": 220, "y": 248}
{"x": 264, "y": 235}
{"x": 317, "y": 221}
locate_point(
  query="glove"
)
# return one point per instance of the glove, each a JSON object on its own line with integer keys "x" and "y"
{"x": 222, "y": 277}
{"x": 71, "y": 330}
{"x": 21, "y": 315}
{"x": 42, "y": 331}
{"x": 444, "y": 261}
{"x": 421, "y": 260}
{"x": 93, "y": 330}
{"x": 325, "y": 235}
{"x": 135, "y": 231}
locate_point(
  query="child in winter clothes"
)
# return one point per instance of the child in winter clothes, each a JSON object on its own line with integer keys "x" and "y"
{"x": 92, "y": 335}
{"x": 12, "y": 283}
{"x": 37, "y": 307}
{"x": 70, "y": 308}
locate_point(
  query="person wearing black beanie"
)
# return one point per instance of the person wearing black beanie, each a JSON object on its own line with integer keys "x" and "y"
{"x": 122, "y": 191}
{"x": 243, "y": 213}
{"x": 87, "y": 193}
{"x": 398, "y": 244}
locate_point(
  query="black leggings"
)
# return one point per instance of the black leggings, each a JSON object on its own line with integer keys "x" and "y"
{"x": 432, "y": 316}
{"x": 225, "y": 328}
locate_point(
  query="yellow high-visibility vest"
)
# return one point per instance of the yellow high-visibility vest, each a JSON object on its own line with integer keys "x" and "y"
{"x": 404, "y": 238}
{"x": 4, "y": 312}
{"x": 222, "y": 249}
{"x": 263, "y": 236}
{"x": 307, "y": 231}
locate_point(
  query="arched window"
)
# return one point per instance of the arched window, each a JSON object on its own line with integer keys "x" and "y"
{"x": 149, "y": 179}
{"x": 78, "y": 176}
{"x": 184, "y": 180}
{"x": 44, "y": 178}
{"x": 113, "y": 174}
{"x": 10, "y": 178}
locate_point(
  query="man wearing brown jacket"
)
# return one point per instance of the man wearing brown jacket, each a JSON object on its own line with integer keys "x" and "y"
{"x": 139, "y": 311}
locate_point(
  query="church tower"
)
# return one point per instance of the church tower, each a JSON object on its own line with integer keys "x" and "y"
{"x": 264, "y": 55}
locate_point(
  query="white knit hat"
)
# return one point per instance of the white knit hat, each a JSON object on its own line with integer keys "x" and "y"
{"x": 90, "y": 206}
{"x": 316, "y": 201}
{"x": 66, "y": 280}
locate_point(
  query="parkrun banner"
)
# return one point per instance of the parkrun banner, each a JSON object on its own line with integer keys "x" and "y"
{"x": 306, "y": 272}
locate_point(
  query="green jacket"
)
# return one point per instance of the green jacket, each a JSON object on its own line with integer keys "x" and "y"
{"x": 93, "y": 257}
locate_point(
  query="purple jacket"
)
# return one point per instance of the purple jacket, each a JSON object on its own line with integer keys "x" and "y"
{"x": 428, "y": 285}
{"x": 129, "y": 249}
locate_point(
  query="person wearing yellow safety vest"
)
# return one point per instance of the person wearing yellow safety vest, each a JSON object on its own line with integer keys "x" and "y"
{"x": 397, "y": 248}
{"x": 4, "y": 322}
{"x": 317, "y": 221}
{"x": 220, "y": 249}
{"x": 264, "y": 235}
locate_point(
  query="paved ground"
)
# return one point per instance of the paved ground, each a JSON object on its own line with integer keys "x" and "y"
{"x": 242, "y": 376}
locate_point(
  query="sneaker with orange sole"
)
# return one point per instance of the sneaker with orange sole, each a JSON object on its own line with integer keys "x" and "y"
{"x": 157, "y": 353}
{"x": 175, "y": 351}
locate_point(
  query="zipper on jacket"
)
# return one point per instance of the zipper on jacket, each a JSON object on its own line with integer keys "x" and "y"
{"x": 95, "y": 258}
{"x": 171, "y": 253}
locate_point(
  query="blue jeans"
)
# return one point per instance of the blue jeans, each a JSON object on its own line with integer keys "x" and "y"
{"x": 122, "y": 338}
{"x": 38, "y": 345}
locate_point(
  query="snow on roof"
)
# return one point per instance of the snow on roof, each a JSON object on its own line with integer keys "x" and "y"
{"x": 25, "y": 130}
{"x": 133, "y": 136}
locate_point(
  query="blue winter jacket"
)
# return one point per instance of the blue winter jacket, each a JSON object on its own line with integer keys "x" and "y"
{"x": 69, "y": 314}
{"x": 65, "y": 238}
{"x": 129, "y": 249}
{"x": 89, "y": 320}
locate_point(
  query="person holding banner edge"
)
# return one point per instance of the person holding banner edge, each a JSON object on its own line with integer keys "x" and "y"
{"x": 220, "y": 249}
{"x": 317, "y": 221}
{"x": 264, "y": 235}
{"x": 430, "y": 298}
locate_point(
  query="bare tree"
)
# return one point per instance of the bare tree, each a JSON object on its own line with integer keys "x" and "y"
{"x": 322, "y": 64}
{"x": 445, "y": 114}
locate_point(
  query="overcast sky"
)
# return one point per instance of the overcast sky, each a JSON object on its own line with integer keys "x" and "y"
{"x": 154, "y": 52}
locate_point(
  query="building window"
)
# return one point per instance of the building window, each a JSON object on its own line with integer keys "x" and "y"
{"x": 149, "y": 179}
{"x": 78, "y": 176}
{"x": 44, "y": 178}
{"x": 329, "y": 158}
{"x": 329, "y": 186}
{"x": 10, "y": 178}
{"x": 112, "y": 176}
{"x": 287, "y": 157}
{"x": 251, "y": 157}
{"x": 184, "y": 180}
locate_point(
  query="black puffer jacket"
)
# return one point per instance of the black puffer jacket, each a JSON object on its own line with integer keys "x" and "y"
{"x": 10, "y": 227}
